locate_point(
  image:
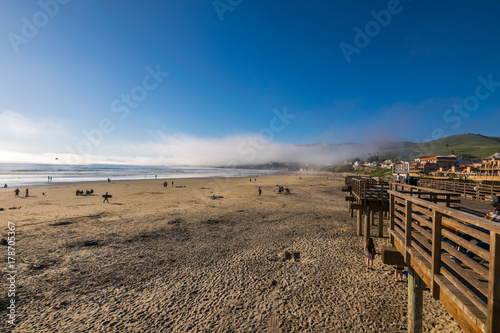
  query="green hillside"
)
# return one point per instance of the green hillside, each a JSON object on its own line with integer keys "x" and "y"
{"x": 464, "y": 144}
{"x": 471, "y": 145}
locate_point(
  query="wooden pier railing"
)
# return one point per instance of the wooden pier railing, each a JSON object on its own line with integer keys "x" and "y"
{"x": 429, "y": 194}
{"x": 348, "y": 182}
{"x": 466, "y": 190}
{"x": 367, "y": 190}
{"x": 461, "y": 268}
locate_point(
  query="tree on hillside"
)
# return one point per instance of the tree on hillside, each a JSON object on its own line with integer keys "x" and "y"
{"x": 357, "y": 159}
{"x": 373, "y": 158}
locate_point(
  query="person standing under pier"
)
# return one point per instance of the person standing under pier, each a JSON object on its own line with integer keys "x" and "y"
{"x": 369, "y": 253}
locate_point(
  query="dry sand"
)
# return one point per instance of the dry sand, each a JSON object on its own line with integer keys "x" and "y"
{"x": 169, "y": 259}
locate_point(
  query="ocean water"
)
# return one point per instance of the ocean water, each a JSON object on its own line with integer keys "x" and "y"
{"x": 16, "y": 175}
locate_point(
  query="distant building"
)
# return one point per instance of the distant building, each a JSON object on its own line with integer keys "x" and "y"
{"x": 414, "y": 167}
{"x": 444, "y": 162}
{"x": 491, "y": 168}
{"x": 387, "y": 164}
{"x": 453, "y": 168}
{"x": 427, "y": 165}
{"x": 401, "y": 168}
{"x": 438, "y": 163}
{"x": 471, "y": 168}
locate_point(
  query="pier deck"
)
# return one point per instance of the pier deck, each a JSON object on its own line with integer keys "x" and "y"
{"x": 445, "y": 242}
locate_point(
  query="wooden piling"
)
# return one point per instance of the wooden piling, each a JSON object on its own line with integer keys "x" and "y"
{"x": 391, "y": 217}
{"x": 415, "y": 301}
{"x": 493, "y": 323}
{"x": 367, "y": 223}
{"x": 436, "y": 252}
{"x": 360, "y": 217}
{"x": 408, "y": 219}
{"x": 381, "y": 224}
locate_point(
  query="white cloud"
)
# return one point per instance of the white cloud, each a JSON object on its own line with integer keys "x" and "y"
{"x": 8, "y": 156}
{"x": 182, "y": 149}
{"x": 18, "y": 125}
{"x": 29, "y": 135}
{"x": 31, "y": 140}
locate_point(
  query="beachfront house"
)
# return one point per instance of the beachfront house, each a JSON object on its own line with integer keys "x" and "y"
{"x": 490, "y": 169}
{"x": 429, "y": 165}
{"x": 400, "y": 168}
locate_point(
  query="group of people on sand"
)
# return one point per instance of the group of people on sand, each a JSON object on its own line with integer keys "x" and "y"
{"x": 91, "y": 192}
{"x": 17, "y": 191}
{"x": 87, "y": 192}
{"x": 281, "y": 189}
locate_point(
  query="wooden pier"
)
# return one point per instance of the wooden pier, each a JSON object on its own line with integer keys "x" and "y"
{"x": 367, "y": 196}
{"x": 455, "y": 254}
{"x": 465, "y": 280}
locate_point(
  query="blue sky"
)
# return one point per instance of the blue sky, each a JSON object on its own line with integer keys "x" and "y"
{"x": 208, "y": 82}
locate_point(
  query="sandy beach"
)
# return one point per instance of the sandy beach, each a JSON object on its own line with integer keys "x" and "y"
{"x": 171, "y": 259}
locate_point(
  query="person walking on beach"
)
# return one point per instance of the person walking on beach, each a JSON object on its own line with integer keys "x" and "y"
{"x": 27, "y": 193}
{"x": 106, "y": 196}
{"x": 260, "y": 191}
{"x": 398, "y": 273}
{"x": 369, "y": 253}
{"x": 17, "y": 192}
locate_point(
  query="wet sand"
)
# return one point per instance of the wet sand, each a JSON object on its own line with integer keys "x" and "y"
{"x": 159, "y": 259}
